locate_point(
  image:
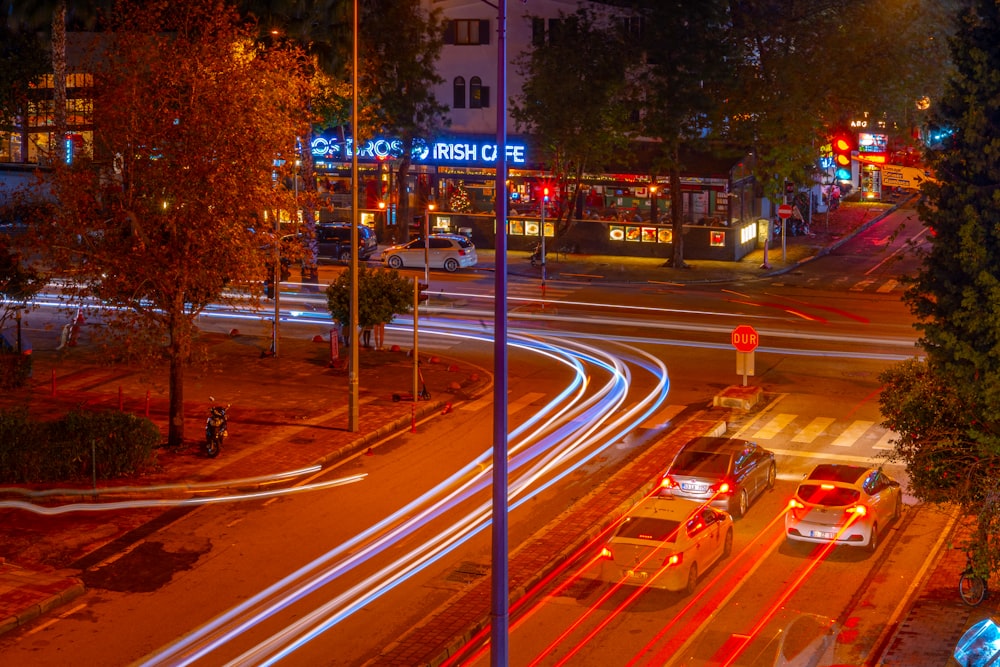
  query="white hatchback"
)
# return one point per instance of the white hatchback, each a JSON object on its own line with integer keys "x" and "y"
{"x": 444, "y": 251}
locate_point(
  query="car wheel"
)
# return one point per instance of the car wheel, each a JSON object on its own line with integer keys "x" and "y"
{"x": 873, "y": 539}
{"x": 739, "y": 504}
{"x": 727, "y": 545}
{"x": 772, "y": 474}
{"x": 692, "y": 582}
{"x": 345, "y": 255}
{"x": 394, "y": 262}
{"x": 451, "y": 265}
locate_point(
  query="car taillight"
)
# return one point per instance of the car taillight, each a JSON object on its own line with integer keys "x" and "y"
{"x": 673, "y": 559}
{"x": 606, "y": 553}
{"x": 461, "y": 252}
{"x": 860, "y": 510}
{"x": 722, "y": 487}
{"x": 795, "y": 504}
{"x": 668, "y": 483}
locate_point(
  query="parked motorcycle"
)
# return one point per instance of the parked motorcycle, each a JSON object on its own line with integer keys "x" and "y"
{"x": 215, "y": 430}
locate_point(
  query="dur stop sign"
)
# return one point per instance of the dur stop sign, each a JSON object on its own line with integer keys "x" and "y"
{"x": 744, "y": 338}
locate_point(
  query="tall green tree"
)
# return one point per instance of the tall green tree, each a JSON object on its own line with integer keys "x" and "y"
{"x": 688, "y": 59}
{"x": 955, "y": 298}
{"x": 382, "y": 294}
{"x": 574, "y": 101}
{"x": 194, "y": 114}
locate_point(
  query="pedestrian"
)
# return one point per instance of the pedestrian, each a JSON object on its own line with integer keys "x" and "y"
{"x": 366, "y": 336}
{"x": 380, "y": 336}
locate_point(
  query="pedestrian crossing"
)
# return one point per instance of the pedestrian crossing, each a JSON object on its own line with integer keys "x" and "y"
{"x": 798, "y": 432}
{"x": 878, "y": 286}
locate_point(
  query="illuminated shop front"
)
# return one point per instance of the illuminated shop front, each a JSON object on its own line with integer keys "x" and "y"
{"x": 618, "y": 213}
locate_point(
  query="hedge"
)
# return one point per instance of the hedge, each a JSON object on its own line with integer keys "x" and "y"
{"x": 117, "y": 444}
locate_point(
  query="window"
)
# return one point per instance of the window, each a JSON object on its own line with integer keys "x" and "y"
{"x": 458, "y": 93}
{"x": 467, "y": 32}
{"x": 478, "y": 94}
{"x": 537, "y": 32}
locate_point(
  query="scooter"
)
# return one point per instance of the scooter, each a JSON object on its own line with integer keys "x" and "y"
{"x": 536, "y": 255}
{"x": 215, "y": 430}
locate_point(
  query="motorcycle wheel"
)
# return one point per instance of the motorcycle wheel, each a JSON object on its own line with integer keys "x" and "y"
{"x": 211, "y": 447}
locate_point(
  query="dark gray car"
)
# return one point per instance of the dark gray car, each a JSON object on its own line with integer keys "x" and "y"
{"x": 334, "y": 240}
{"x": 724, "y": 472}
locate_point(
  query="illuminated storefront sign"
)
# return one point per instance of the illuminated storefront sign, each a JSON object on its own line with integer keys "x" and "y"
{"x": 444, "y": 152}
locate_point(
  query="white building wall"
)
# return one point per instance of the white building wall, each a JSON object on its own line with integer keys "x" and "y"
{"x": 480, "y": 60}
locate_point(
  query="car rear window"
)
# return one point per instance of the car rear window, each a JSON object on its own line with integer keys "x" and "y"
{"x": 837, "y": 473}
{"x": 649, "y": 528}
{"x": 828, "y": 495}
{"x": 693, "y": 462}
{"x": 464, "y": 242}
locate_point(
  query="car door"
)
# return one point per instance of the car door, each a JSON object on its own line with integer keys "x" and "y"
{"x": 745, "y": 469}
{"x": 880, "y": 495}
{"x": 327, "y": 242}
{"x": 440, "y": 249}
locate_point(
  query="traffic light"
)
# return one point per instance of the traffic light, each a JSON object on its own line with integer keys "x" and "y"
{"x": 843, "y": 146}
{"x": 269, "y": 288}
{"x": 545, "y": 193}
{"x": 421, "y": 294}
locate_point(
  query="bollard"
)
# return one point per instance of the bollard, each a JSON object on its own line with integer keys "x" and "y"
{"x": 334, "y": 346}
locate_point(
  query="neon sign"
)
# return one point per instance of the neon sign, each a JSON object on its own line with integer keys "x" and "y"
{"x": 464, "y": 152}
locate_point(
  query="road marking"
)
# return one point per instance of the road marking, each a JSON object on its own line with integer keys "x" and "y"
{"x": 884, "y": 442}
{"x": 772, "y": 427}
{"x": 39, "y": 628}
{"x": 852, "y": 433}
{"x": 663, "y": 417}
{"x": 888, "y": 286}
{"x": 815, "y": 429}
{"x": 861, "y": 286}
{"x": 803, "y": 454}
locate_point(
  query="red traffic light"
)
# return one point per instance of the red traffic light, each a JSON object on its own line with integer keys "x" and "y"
{"x": 421, "y": 292}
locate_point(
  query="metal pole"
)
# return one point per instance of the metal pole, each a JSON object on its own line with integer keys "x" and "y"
{"x": 427, "y": 245}
{"x": 500, "y": 607}
{"x": 416, "y": 340}
{"x": 353, "y": 418}
{"x": 542, "y": 229}
{"x": 277, "y": 284}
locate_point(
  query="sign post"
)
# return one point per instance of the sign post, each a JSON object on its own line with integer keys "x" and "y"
{"x": 744, "y": 338}
{"x": 784, "y": 212}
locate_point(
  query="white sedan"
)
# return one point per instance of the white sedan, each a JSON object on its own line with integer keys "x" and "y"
{"x": 666, "y": 543}
{"x": 445, "y": 251}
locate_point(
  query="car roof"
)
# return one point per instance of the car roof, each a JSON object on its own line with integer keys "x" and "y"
{"x": 837, "y": 472}
{"x": 715, "y": 444}
{"x": 665, "y": 508}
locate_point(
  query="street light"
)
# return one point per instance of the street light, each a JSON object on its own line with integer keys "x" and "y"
{"x": 427, "y": 242}
{"x": 653, "y": 213}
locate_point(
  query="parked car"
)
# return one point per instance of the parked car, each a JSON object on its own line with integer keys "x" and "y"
{"x": 723, "y": 472}
{"x": 843, "y": 504}
{"x": 666, "y": 543}
{"x": 334, "y": 240}
{"x": 446, "y": 251}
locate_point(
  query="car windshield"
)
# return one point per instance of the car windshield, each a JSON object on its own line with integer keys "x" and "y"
{"x": 693, "y": 462}
{"x": 649, "y": 528}
{"x": 828, "y": 495}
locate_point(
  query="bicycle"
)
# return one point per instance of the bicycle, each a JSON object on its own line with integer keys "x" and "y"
{"x": 971, "y": 586}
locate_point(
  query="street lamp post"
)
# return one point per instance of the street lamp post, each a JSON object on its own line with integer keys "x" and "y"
{"x": 427, "y": 243}
{"x": 653, "y": 213}
{"x": 353, "y": 417}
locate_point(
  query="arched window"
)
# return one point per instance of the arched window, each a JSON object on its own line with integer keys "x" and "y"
{"x": 476, "y": 93}
{"x": 458, "y": 88}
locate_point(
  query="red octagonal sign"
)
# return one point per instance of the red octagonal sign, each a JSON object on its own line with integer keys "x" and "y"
{"x": 744, "y": 338}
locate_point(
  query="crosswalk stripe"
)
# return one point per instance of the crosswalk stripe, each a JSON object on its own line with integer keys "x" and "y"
{"x": 815, "y": 429}
{"x": 861, "y": 286}
{"x": 773, "y": 427}
{"x": 852, "y": 433}
{"x": 663, "y": 417}
{"x": 888, "y": 286}
{"x": 884, "y": 442}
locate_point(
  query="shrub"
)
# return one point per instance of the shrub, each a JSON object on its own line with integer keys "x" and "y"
{"x": 15, "y": 369}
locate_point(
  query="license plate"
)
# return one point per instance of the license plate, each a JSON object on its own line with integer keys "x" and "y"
{"x": 822, "y": 535}
{"x": 636, "y": 574}
{"x": 688, "y": 486}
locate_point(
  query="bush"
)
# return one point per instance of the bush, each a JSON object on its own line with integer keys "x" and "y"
{"x": 15, "y": 369}
{"x": 68, "y": 449}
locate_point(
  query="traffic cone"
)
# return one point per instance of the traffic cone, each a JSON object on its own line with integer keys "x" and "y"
{"x": 447, "y": 409}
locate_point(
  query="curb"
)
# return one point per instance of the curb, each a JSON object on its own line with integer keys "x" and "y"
{"x": 65, "y": 589}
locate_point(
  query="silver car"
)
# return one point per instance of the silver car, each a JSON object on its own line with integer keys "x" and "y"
{"x": 723, "y": 472}
{"x": 445, "y": 251}
{"x": 843, "y": 504}
{"x": 664, "y": 543}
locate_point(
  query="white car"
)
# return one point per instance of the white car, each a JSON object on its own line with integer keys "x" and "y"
{"x": 445, "y": 251}
{"x": 666, "y": 543}
{"x": 843, "y": 504}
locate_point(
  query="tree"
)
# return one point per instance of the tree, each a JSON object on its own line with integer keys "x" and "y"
{"x": 687, "y": 63}
{"x": 382, "y": 294}
{"x": 18, "y": 282}
{"x": 164, "y": 219}
{"x": 573, "y": 101}
{"x": 955, "y": 298}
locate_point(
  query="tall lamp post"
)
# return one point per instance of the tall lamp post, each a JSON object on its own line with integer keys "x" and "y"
{"x": 427, "y": 242}
{"x": 353, "y": 417}
{"x": 653, "y": 213}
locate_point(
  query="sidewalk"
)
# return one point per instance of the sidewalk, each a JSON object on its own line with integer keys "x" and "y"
{"x": 276, "y": 426}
